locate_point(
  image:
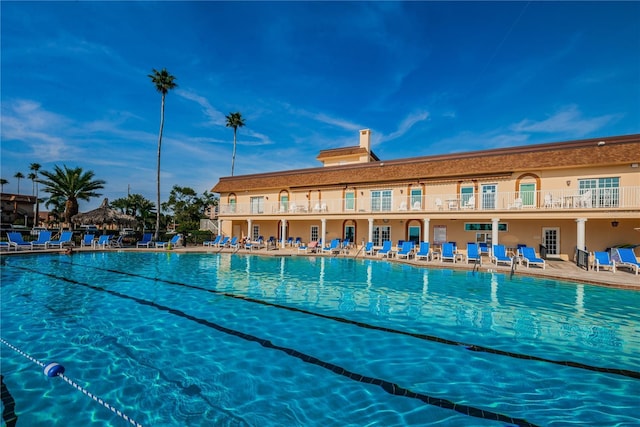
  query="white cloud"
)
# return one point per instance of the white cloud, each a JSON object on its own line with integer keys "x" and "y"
{"x": 568, "y": 120}
{"x": 216, "y": 118}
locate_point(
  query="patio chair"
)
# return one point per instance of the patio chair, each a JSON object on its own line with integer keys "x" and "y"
{"x": 406, "y": 251}
{"x": 223, "y": 242}
{"x": 484, "y": 248}
{"x": 87, "y": 240}
{"x": 517, "y": 204}
{"x": 213, "y": 242}
{"x": 603, "y": 260}
{"x": 103, "y": 241}
{"x": 257, "y": 244}
{"x": 473, "y": 253}
{"x": 147, "y": 241}
{"x": 334, "y": 247}
{"x": 499, "y": 256}
{"x": 173, "y": 242}
{"x": 233, "y": 243}
{"x": 625, "y": 257}
{"x": 117, "y": 243}
{"x": 529, "y": 257}
{"x": 369, "y": 249}
{"x": 385, "y": 251}
{"x": 16, "y": 241}
{"x": 448, "y": 252}
{"x": 424, "y": 251}
{"x": 43, "y": 238}
{"x": 470, "y": 203}
{"x": 64, "y": 240}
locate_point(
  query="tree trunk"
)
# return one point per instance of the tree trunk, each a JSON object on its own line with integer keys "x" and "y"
{"x": 233, "y": 156}
{"x": 70, "y": 209}
{"x": 157, "y": 233}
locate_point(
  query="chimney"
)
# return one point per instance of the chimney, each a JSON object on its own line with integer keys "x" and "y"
{"x": 365, "y": 139}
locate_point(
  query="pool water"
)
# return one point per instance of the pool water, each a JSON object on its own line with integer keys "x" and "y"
{"x": 238, "y": 340}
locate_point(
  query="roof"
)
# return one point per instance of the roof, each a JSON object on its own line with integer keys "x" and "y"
{"x": 346, "y": 152}
{"x": 582, "y": 153}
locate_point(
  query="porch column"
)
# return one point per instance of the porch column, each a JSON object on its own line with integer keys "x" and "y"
{"x": 249, "y": 233}
{"x": 219, "y": 226}
{"x": 425, "y": 232}
{"x": 283, "y": 230}
{"x": 580, "y": 233}
{"x": 370, "y": 235}
{"x": 494, "y": 230}
{"x": 323, "y": 236}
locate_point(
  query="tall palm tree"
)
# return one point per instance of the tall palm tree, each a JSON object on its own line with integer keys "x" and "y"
{"x": 2, "y": 183}
{"x": 163, "y": 82}
{"x": 235, "y": 121}
{"x": 71, "y": 185}
{"x": 34, "y": 168}
{"x": 18, "y": 176}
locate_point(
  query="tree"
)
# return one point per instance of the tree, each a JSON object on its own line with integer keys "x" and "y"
{"x": 136, "y": 205}
{"x": 18, "y": 176}
{"x": 70, "y": 185}
{"x": 163, "y": 82}
{"x": 2, "y": 183}
{"x": 34, "y": 168}
{"x": 187, "y": 207}
{"x": 235, "y": 121}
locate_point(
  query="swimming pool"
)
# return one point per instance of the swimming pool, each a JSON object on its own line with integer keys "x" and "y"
{"x": 238, "y": 340}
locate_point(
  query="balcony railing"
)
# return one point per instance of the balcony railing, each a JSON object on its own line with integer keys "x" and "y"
{"x": 548, "y": 200}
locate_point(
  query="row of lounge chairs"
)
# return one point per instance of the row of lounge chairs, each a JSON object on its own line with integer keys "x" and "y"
{"x": 44, "y": 241}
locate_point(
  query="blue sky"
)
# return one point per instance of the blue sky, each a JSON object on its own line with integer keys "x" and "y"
{"x": 426, "y": 78}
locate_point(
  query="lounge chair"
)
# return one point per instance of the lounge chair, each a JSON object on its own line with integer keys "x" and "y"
{"x": 484, "y": 248}
{"x": 311, "y": 247}
{"x": 233, "y": 243}
{"x": 65, "y": 239}
{"x": 602, "y": 260}
{"x": 473, "y": 253}
{"x": 213, "y": 242}
{"x": 43, "y": 239}
{"x": 334, "y": 247}
{"x": 385, "y": 251}
{"x": 87, "y": 240}
{"x": 424, "y": 251}
{"x": 103, "y": 241}
{"x": 147, "y": 241}
{"x": 223, "y": 242}
{"x": 529, "y": 257}
{"x": 625, "y": 257}
{"x": 448, "y": 252}
{"x": 16, "y": 241}
{"x": 256, "y": 244}
{"x": 298, "y": 241}
{"x": 406, "y": 251}
{"x": 116, "y": 243}
{"x": 369, "y": 249}
{"x": 499, "y": 256}
{"x": 173, "y": 242}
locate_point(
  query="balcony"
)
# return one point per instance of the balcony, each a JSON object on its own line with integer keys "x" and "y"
{"x": 608, "y": 199}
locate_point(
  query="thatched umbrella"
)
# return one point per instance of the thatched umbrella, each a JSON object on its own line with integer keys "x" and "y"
{"x": 104, "y": 215}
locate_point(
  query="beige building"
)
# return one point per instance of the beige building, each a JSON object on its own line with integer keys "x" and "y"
{"x": 554, "y": 197}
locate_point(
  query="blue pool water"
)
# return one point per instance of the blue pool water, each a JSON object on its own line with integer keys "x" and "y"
{"x": 232, "y": 340}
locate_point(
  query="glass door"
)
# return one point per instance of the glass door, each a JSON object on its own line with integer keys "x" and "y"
{"x": 489, "y": 196}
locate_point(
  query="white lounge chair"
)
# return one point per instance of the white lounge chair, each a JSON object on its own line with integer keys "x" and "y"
{"x": 603, "y": 260}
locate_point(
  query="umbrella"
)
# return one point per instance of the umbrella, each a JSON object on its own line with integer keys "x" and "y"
{"x": 104, "y": 215}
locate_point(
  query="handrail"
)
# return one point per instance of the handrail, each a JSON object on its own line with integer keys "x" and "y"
{"x": 582, "y": 259}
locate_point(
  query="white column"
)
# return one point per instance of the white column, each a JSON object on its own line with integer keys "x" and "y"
{"x": 494, "y": 230}
{"x": 283, "y": 229}
{"x": 323, "y": 236}
{"x": 249, "y": 233}
{"x": 219, "y": 226}
{"x": 425, "y": 232}
{"x": 580, "y": 235}
{"x": 370, "y": 235}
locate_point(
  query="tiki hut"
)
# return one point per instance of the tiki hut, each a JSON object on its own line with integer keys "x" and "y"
{"x": 104, "y": 217}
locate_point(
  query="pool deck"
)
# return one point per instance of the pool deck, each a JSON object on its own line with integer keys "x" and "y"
{"x": 555, "y": 269}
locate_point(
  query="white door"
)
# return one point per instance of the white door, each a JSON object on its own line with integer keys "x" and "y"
{"x": 551, "y": 239}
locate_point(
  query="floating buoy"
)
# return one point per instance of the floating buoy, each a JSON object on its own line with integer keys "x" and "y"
{"x": 53, "y": 369}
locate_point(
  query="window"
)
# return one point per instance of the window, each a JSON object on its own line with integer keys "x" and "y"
{"x": 381, "y": 200}
{"x": 605, "y": 192}
{"x": 484, "y": 226}
{"x": 484, "y": 238}
{"x": 489, "y": 196}
{"x": 414, "y": 234}
{"x": 349, "y": 201}
{"x": 465, "y": 195}
{"x": 350, "y": 233}
{"x": 284, "y": 203}
{"x": 255, "y": 232}
{"x": 314, "y": 233}
{"x": 232, "y": 205}
{"x": 416, "y": 198}
{"x": 528, "y": 194}
{"x": 380, "y": 234}
{"x": 257, "y": 205}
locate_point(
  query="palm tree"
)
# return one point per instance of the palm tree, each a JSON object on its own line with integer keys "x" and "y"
{"x": 18, "y": 176}
{"x": 70, "y": 185}
{"x": 2, "y": 183}
{"x": 235, "y": 121}
{"x": 34, "y": 168}
{"x": 164, "y": 82}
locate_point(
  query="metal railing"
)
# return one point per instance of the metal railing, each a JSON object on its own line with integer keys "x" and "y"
{"x": 582, "y": 259}
{"x": 543, "y": 200}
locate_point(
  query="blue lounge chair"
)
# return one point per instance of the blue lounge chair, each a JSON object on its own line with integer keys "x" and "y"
{"x": 223, "y": 242}
{"x": 385, "y": 251}
{"x": 233, "y": 243}
{"x": 311, "y": 247}
{"x": 602, "y": 260}
{"x": 103, "y": 241}
{"x": 529, "y": 257}
{"x": 213, "y": 242}
{"x": 87, "y": 240}
{"x": 406, "y": 251}
{"x": 625, "y": 257}
{"x": 473, "y": 253}
{"x": 484, "y": 248}
{"x": 369, "y": 249}
{"x": 257, "y": 244}
{"x": 43, "y": 239}
{"x": 499, "y": 256}
{"x": 174, "y": 242}
{"x": 16, "y": 241}
{"x": 424, "y": 251}
{"x": 147, "y": 241}
{"x": 448, "y": 252}
{"x": 65, "y": 239}
{"x": 334, "y": 247}
{"x": 298, "y": 241}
